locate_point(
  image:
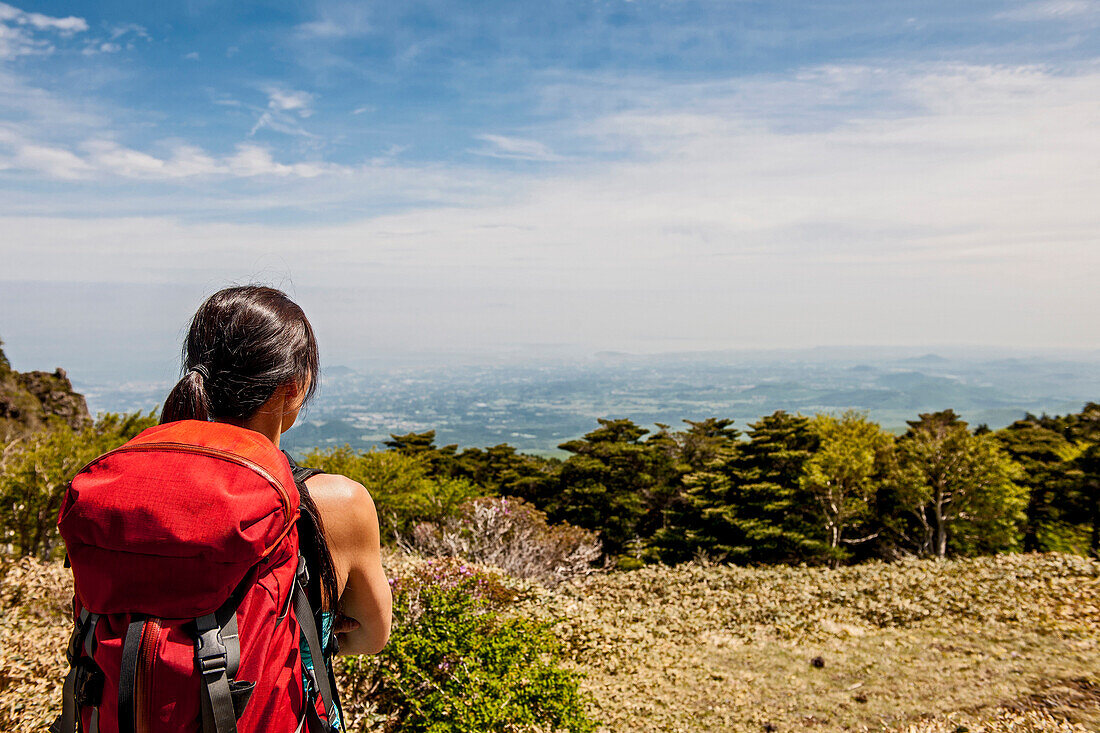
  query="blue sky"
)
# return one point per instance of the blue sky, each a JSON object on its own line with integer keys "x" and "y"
{"x": 489, "y": 175}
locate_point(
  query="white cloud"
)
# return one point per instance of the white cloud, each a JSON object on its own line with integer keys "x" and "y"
{"x": 66, "y": 26}
{"x": 52, "y": 162}
{"x": 104, "y": 159}
{"x": 20, "y": 31}
{"x": 253, "y": 160}
{"x": 768, "y": 211}
{"x": 129, "y": 29}
{"x": 514, "y": 148}
{"x": 284, "y": 108}
{"x": 285, "y": 100}
{"x": 339, "y": 20}
{"x": 963, "y": 209}
{"x": 1053, "y": 10}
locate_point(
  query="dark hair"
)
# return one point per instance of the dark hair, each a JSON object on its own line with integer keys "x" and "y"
{"x": 243, "y": 343}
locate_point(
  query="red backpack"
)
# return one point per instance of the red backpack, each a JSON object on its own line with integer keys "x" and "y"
{"x": 189, "y": 589}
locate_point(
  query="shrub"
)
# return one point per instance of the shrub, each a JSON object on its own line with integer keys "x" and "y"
{"x": 401, "y": 485}
{"x": 35, "y": 471}
{"x": 512, "y": 535}
{"x": 456, "y": 663}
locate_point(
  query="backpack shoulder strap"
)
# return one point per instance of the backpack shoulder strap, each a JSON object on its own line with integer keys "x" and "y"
{"x": 301, "y": 473}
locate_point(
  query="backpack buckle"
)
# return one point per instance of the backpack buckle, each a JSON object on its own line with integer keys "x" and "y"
{"x": 211, "y": 656}
{"x": 89, "y": 683}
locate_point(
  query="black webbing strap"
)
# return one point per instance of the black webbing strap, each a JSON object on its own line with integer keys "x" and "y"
{"x": 217, "y": 658}
{"x": 301, "y": 473}
{"x": 131, "y": 647}
{"x": 308, "y": 624}
{"x": 89, "y": 652}
{"x": 66, "y": 723}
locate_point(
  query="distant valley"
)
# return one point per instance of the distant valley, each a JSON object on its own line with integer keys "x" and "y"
{"x": 535, "y": 406}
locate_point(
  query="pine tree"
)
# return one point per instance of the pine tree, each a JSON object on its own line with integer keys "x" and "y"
{"x": 1044, "y": 456}
{"x": 748, "y": 504}
{"x": 607, "y": 484}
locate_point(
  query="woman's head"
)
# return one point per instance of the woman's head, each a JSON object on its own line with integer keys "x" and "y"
{"x": 243, "y": 344}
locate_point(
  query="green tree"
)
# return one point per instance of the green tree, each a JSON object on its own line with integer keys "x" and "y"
{"x": 1044, "y": 456}
{"x": 844, "y": 474}
{"x": 35, "y": 472}
{"x": 439, "y": 461}
{"x": 1087, "y": 473}
{"x": 404, "y": 490}
{"x": 501, "y": 470}
{"x": 608, "y": 483}
{"x": 748, "y": 504}
{"x": 705, "y": 440}
{"x": 959, "y": 489}
{"x": 775, "y": 514}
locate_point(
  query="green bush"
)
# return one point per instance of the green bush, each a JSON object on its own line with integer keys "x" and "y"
{"x": 456, "y": 663}
{"x": 401, "y": 485}
{"x": 36, "y": 470}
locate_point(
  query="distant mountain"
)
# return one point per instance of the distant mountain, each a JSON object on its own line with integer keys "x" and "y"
{"x": 29, "y": 399}
{"x": 925, "y": 359}
{"x": 337, "y": 371}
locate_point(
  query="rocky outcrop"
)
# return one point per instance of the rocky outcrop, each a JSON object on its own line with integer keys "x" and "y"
{"x": 30, "y": 400}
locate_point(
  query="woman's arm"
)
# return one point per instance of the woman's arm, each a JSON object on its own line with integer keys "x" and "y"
{"x": 351, "y": 530}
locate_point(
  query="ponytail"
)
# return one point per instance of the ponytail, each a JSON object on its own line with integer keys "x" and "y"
{"x": 188, "y": 399}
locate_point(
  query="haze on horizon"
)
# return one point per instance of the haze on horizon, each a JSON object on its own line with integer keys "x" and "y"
{"x": 488, "y": 177}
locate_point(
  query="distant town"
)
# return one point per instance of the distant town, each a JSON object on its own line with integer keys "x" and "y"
{"x": 539, "y": 405}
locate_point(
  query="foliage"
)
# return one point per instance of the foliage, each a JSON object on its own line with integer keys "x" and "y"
{"x": 35, "y": 471}
{"x": 608, "y": 482}
{"x": 456, "y": 662}
{"x": 1044, "y": 456}
{"x": 958, "y": 489}
{"x": 512, "y": 535}
{"x": 844, "y": 474}
{"x": 404, "y": 491}
{"x": 502, "y": 471}
{"x": 749, "y": 505}
{"x": 1087, "y": 474}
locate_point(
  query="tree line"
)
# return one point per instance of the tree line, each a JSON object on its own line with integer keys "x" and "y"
{"x": 826, "y": 489}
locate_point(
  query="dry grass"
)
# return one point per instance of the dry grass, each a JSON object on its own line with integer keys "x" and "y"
{"x": 994, "y": 645}
{"x": 907, "y": 646}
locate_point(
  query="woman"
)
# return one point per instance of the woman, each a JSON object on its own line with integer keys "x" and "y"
{"x": 252, "y": 361}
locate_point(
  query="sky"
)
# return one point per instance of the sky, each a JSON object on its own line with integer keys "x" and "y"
{"x": 527, "y": 178}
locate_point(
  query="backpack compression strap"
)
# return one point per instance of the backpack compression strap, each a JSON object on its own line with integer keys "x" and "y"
{"x": 217, "y": 657}
{"x": 84, "y": 682}
{"x": 308, "y": 624}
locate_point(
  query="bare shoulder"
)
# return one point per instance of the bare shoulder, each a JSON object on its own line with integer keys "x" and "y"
{"x": 332, "y": 488}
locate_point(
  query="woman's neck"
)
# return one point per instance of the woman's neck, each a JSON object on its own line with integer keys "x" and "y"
{"x": 273, "y": 418}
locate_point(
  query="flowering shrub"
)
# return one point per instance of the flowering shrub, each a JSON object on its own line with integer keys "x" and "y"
{"x": 512, "y": 535}
{"x": 456, "y": 663}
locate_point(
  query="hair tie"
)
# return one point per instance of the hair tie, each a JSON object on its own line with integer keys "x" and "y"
{"x": 201, "y": 370}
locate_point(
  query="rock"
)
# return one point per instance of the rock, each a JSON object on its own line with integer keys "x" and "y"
{"x": 30, "y": 400}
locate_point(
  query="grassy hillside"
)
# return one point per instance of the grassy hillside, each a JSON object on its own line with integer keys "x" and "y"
{"x": 1008, "y": 643}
